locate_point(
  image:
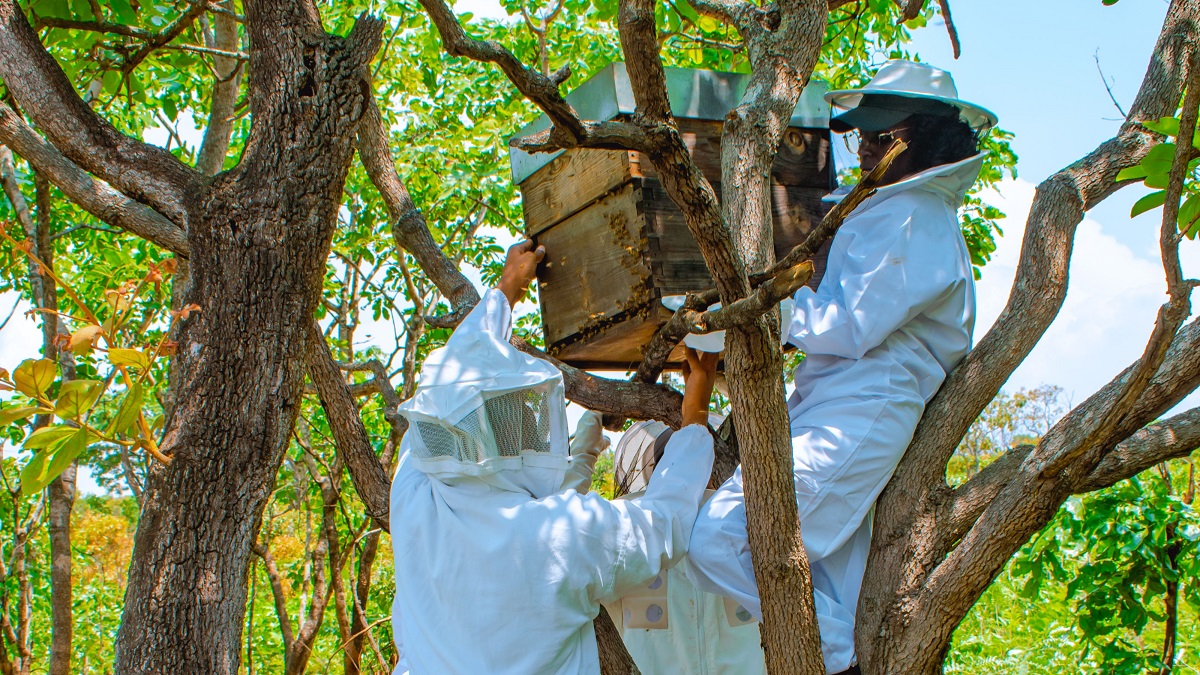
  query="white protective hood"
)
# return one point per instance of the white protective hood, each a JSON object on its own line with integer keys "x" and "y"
{"x": 478, "y": 365}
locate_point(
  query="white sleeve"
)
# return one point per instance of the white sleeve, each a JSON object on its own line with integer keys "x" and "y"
{"x": 658, "y": 525}
{"x": 886, "y": 279}
{"x": 586, "y": 446}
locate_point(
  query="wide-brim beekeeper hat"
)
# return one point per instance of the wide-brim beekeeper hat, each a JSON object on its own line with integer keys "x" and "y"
{"x": 898, "y": 90}
{"x": 640, "y": 449}
{"x": 482, "y": 407}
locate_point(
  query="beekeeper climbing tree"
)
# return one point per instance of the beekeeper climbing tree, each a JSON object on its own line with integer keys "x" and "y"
{"x": 292, "y": 87}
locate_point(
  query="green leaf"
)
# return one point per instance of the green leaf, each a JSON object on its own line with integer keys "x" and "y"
{"x": 1167, "y": 126}
{"x": 1189, "y": 211}
{"x": 33, "y": 378}
{"x": 76, "y": 398}
{"x": 47, "y": 436}
{"x": 1150, "y": 201}
{"x": 128, "y": 357}
{"x": 59, "y": 9}
{"x": 1157, "y": 181}
{"x": 127, "y": 414}
{"x": 688, "y": 11}
{"x": 48, "y": 463}
{"x": 10, "y": 415}
{"x": 1159, "y": 159}
{"x": 1132, "y": 173}
{"x": 124, "y": 11}
{"x": 112, "y": 81}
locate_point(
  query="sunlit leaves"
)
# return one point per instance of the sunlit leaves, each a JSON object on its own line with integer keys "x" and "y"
{"x": 49, "y": 462}
{"x": 15, "y": 414}
{"x": 127, "y": 414}
{"x": 119, "y": 356}
{"x": 34, "y": 377}
{"x": 1154, "y": 171}
{"x": 83, "y": 340}
{"x": 77, "y": 397}
{"x": 1115, "y": 552}
{"x": 47, "y": 436}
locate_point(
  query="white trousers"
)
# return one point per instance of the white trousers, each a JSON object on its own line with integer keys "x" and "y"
{"x": 840, "y": 467}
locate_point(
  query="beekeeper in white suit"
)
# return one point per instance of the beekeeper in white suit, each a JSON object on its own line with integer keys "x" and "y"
{"x": 891, "y": 317}
{"x": 670, "y": 626}
{"x": 501, "y": 563}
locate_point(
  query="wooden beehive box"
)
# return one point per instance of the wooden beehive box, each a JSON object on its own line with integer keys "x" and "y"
{"x": 616, "y": 244}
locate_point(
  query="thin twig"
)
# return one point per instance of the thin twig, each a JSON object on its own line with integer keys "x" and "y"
{"x": 953, "y": 32}
{"x": 1107, "y": 88}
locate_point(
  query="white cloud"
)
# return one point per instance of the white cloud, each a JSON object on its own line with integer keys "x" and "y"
{"x": 1113, "y": 295}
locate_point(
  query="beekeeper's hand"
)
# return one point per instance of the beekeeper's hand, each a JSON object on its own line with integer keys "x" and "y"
{"x": 587, "y": 445}
{"x": 699, "y": 376}
{"x": 519, "y": 269}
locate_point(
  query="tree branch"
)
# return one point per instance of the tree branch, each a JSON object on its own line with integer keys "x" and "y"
{"x": 1172, "y": 314}
{"x": 1040, "y": 284}
{"x": 228, "y": 71}
{"x": 541, "y": 89}
{"x": 1176, "y": 436}
{"x": 998, "y": 510}
{"x": 634, "y": 400}
{"x": 912, "y": 9}
{"x": 165, "y": 36}
{"x": 143, "y": 172}
{"x": 408, "y": 224}
{"x": 950, "y": 29}
{"x": 94, "y": 27}
{"x": 281, "y": 610}
{"x": 96, "y": 197}
{"x": 610, "y": 135}
{"x": 681, "y": 177}
{"x": 656, "y": 352}
{"x": 349, "y": 433}
{"x": 902, "y": 567}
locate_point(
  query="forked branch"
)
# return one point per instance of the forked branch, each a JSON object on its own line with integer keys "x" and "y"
{"x": 95, "y": 196}
{"x": 143, "y": 172}
{"x": 1178, "y": 306}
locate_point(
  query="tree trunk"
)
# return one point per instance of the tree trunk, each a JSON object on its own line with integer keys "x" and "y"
{"x": 60, "y": 494}
{"x": 362, "y": 593}
{"x": 258, "y": 238}
{"x": 782, "y": 64}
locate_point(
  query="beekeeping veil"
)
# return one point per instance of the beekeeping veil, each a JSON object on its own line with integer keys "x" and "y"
{"x": 485, "y": 411}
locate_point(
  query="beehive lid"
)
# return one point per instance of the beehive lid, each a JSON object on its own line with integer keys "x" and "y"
{"x": 696, "y": 94}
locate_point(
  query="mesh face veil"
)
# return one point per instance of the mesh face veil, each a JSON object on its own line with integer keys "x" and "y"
{"x": 485, "y": 410}
{"x": 507, "y": 425}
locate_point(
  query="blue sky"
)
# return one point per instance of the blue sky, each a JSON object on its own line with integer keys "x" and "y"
{"x": 1033, "y": 62}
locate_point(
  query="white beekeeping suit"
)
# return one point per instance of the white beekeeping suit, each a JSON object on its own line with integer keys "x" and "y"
{"x": 499, "y": 569}
{"x": 892, "y": 316}
{"x": 670, "y": 626}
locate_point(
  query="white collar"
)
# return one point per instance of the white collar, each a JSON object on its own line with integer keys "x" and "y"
{"x": 949, "y": 181}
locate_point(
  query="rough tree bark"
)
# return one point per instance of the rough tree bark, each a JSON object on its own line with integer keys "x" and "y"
{"x": 257, "y": 237}
{"x": 782, "y": 60}
{"x": 936, "y": 549}
{"x": 60, "y": 494}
